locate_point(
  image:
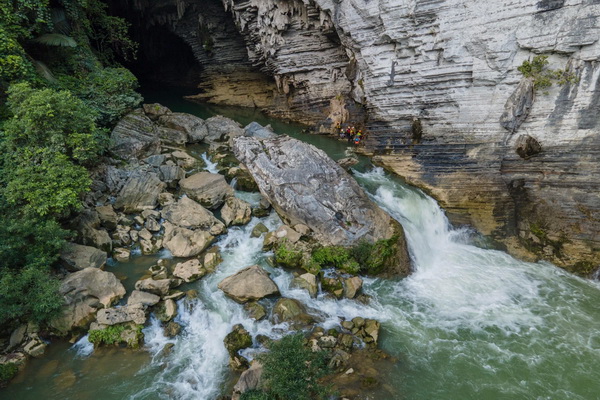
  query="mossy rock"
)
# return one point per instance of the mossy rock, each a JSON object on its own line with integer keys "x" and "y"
{"x": 128, "y": 334}
{"x": 236, "y": 340}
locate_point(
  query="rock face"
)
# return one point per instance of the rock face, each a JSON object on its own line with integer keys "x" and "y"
{"x": 140, "y": 191}
{"x": 85, "y": 292}
{"x": 306, "y": 187}
{"x": 186, "y": 213}
{"x": 134, "y": 136}
{"x": 252, "y": 283}
{"x": 236, "y": 212}
{"x": 182, "y": 242}
{"x": 206, "y": 188}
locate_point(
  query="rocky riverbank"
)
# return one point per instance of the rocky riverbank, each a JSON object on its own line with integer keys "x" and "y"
{"x": 154, "y": 195}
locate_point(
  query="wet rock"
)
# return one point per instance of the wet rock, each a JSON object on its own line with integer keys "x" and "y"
{"x": 186, "y": 161}
{"x": 144, "y": 298}
{"x": 177, "y": 295}
{"x": 291, "y": 310}
{"x": 171, "y": 175}
{"x": 352, "y": 287}
{"x": 87, "y": 224}
{"x": 306, "y": 186}
{"x": 237, "y": 339}
{"x": 134, "y": 136}
{"x": 121, "y": 254}
{"x": 527, "y": 146}
{"x": 208, "y": 189}
{"x": 258, "y": 230}
{"x": 151, "y": 246}
{"x": 156, "y": 160}
{"x": 254, "y": 129}
{"x": 166, "y": 310}
{"x": 236, "y": 212}
{"x": 35, "y": 347}
{"x": 243, "y": 179}
{"x": 76, "y": 257}
{"x": 262, "y": 209}
{"x": 307, "y": 281}
{"x": 145, "y": 234}
{"x": 165, "y": 199}
{"x": 121, "y": 236}
{"x": 108, "y": 216}
{"x": 17, "y": 337}
{"x": 372, "y": 330}
{"x": 189, "y": 271}
{"x": 171, "y": 136}
{"x": 154, "y": 111}
{"x": 130, "y": 313}
{"x": 251, "y": 283}
{"x": 347, "y": 162}
{"x": 251, "y": 379}
{"x": 222, "y": 129}
{"x": 284, "y": 232}
{"x": 159, "y": 287}
{"x": 212, "y": 258}
{"x": 140, "y": 192}
{"x": 193, "y": 127}
{"x": 333, "y": 285}
{"x": 172, "y": 329}
{"x": 152, "y": 225}
{"x": 182, "y": 242}
{"x": 84, "y": 293}
{"x": 187, "y": 213}
{"x": 255, "y": 310}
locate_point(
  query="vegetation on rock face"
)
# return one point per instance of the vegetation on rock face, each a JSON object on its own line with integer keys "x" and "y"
{"x": 291, "y": 372}
{"x": 61, "y": 90}
{"x": 543, "y": 77}
{"x": 112, "y": 335}
{"x": 7, "y": 372}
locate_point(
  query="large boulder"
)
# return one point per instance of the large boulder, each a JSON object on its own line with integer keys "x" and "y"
{"x": 291, "y": 310}
{"x": 307, "y": 187}
{"x": 251, "y": 379}
{"x": 256, "y": 130}
{"x": 208, "y": 189}
{"x": 144, "y": 298}
{"x": 187, "y": 213}
{"x": 140, "y": 191}
{"x": 76, "y": 257}
{"x": 193, "y": 127}
{"x": 236, "y": 212}
{"x": 183, "y": 242}
{"x": 134, "y": 136}
{"x": 251, "y": 283}
{"x": 87, "y": 224}
{"x": 189, "y": 271}
{"x": 85, "y": 292}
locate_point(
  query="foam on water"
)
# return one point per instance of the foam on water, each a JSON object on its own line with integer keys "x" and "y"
{"x": 210, "y": 166}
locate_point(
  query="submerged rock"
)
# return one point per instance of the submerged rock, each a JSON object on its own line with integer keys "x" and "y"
{"x": 291, "y": 310}
{"x": 251, "y": 283}
{"x": 307, "y": 187}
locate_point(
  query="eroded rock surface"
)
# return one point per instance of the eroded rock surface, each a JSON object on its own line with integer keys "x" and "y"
{"x": 251, "y": 283}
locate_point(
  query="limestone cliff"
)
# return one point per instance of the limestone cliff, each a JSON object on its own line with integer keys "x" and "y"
{"x": 447, "y": 107}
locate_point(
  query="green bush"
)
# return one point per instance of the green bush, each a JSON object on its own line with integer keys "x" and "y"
{"x": 257, "y": 395}
{"x": 109, "y": 335}
{"x": 292, "y": 371}
{"x": 8, "y": 371}
{"x": 543, "y": 77}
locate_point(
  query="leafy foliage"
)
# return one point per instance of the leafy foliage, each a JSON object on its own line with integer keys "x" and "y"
{"x": 257, "y": 395}
{"x": 543, "y": 77}
{"x": 7, "y": 372}
{"x": 109, "y": 335}
{"x": 292, "y": 371}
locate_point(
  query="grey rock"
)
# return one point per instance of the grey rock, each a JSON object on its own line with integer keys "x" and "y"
{"x": 518, "y": 105}
{"x": 159, "y": 287}
{"x": 156, "y": 160}
{"x": 347, "y": 162}
{"x": 140, "y": 191}
{"x": 208, "y": 189}
{"x": 236, "y": 212}
{"x": 221, "y": 129}
{"x": 352, "y": 286}
{"x": 251, "y": 283}
{"x": 84, "y": 293}
{"x": 527, "y": 146}
{"x": 154, "y": 111}
{"x": 144, "y": 298}
{"x": 171, "y": 136}
{"x": 130, "y": 313}
{"x": 76, "y": 257}
{"x": 171, "y": 174}
{"x": 258, "y": 230}
{"x": 186, "y": 161}
{"x": 134, "y": 136}
{"x": 251, "y": 379}
{"x": 166, "y": 311}
{"x": 187, "y": 213}
{"x": 108, "y": 216}
{"x": 183, "y": 242}
{"x": 189, "y": 271}
{"x": 254, "y": 129}
{"x": 306, "y": 186}
{"x": 291, "y": 310}
{"x": 193, "y": 127}
{"x": 307, "y": 281}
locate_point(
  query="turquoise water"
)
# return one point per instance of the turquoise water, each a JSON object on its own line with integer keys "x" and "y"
{"x": 469, "y": 323}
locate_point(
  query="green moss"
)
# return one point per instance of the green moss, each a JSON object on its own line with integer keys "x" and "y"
{"x": 583, "y": 268}
{"x": 287, "y": 256}
{"x": 109, "y": 335}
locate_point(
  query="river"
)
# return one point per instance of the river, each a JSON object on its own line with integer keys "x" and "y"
{"x": 469, "y": 323}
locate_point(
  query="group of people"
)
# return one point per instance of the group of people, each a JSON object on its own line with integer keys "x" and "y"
{"x": 353, "y": 135}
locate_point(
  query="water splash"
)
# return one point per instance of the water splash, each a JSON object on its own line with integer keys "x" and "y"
{"x": 210, "y": 166}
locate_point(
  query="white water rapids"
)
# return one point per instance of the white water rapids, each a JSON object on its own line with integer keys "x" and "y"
{"x": 469, "y": 323}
